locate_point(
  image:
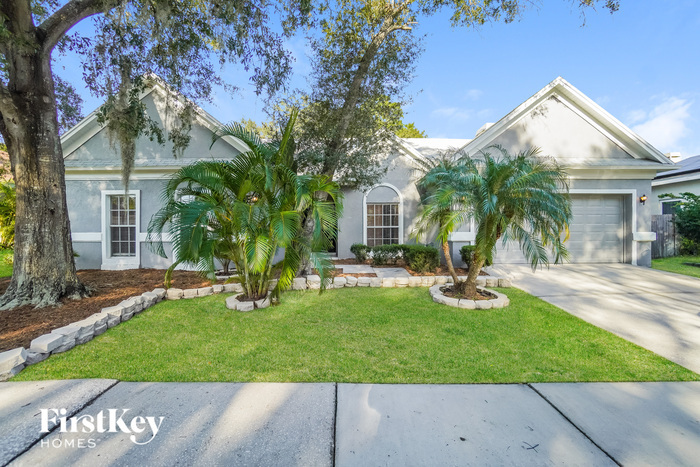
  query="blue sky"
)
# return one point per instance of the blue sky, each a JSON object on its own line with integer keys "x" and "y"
{"x": 641, "y": 64}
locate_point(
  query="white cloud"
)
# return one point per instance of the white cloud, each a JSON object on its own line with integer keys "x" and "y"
{"x": 453, "y": 113}
{"x": 636, "y": 116}
{"x": 665, "y": 125}
{"x": 473, "y": 94}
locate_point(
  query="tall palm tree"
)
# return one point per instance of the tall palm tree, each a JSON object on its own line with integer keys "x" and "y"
{"x": 245, "y": 209}
{"x": 522, "y": 198}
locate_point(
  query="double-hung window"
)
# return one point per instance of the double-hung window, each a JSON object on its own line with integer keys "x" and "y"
{"x": 121, "y": 237}
{"x": 122, "y": 225}
{"x": 382, "y": 223}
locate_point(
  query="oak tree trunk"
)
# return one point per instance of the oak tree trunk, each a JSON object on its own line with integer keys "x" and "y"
{"x": 44, "y": 269}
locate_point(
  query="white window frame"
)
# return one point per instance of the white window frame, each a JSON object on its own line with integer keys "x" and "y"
{"x": 668, "y": 201}
{"x": 120, "y": 262}
{"x": 364, "y": 210}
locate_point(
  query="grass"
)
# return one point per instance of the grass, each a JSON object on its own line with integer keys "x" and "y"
{"x": 5, "y": 262}
{"x": 359, "y": 335}
{"x": 675, "y": 264}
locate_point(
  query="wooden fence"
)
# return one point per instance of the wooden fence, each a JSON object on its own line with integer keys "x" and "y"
{"x": 667, "y": 241}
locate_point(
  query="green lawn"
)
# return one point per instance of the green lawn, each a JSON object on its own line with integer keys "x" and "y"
{"x": 675, "y": 264}
{"x": 359, "y": 335}
{"x": 5, "y": 266}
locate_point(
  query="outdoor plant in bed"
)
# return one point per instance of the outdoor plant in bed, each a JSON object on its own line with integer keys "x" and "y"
{"x": 522, "y": 197}
{"x": 245, "y": 209}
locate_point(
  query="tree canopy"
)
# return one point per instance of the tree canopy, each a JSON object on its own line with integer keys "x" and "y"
{"x": 363, "y": 57}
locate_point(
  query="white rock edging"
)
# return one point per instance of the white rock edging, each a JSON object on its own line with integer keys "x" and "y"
{"x": 500, "y": 301}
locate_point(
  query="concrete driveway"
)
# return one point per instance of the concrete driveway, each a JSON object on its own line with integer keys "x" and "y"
{"x": 657, "y": 310}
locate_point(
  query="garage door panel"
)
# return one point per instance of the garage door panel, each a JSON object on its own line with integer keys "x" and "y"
{"x": 596, "y": 232}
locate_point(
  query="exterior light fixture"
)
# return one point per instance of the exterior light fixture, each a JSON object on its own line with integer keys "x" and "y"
{"x": 643, "y": 199}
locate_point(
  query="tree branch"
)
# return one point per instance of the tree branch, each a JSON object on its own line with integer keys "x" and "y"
{"x": 70, "y": 14}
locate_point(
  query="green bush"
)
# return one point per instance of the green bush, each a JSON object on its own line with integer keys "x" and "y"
{"x": 360, "y": 251}
{"x": 8, "y": 207}
{"x": 466, "y": 253}
{"x": 386, "y": 254}
{"x": 421, "y": 258}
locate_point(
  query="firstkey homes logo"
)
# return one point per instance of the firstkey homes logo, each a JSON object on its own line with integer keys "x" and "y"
{"x": 105, "y": 421}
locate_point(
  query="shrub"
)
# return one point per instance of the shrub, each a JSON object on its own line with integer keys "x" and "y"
{"x": 421, "y": 258}
{"x": 466, "y": 253}
{"x": 360, "y": 251}
{"x": 386, "y": 254}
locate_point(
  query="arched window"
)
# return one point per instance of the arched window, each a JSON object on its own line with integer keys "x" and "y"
{"x": 383, "y": 215}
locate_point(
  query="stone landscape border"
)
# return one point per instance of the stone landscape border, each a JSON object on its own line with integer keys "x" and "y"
{"x": 66, "y": 337}
{"x": 501, "y": 301}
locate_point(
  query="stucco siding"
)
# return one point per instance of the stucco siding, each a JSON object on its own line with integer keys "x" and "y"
{"x": 401, "y": 174}
{"x": 98, "y": 151}
{"x": 560, "y": 132}
{"x": 692, "y": 186}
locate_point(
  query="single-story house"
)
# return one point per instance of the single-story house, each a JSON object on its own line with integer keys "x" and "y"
{"x": 684, "y": 178}
{"x": 610, "y": 168}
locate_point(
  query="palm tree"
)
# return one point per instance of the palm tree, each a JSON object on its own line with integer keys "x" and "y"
{"x": 523, "y": 198}
{"x": 244, "y": 210}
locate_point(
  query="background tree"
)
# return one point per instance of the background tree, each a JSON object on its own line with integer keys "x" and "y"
{"x": 132, "y": 39}
{"x": 267, "y": 131}
{"x": 362, "y": 60}
{"x": 522, "y": 198}
{"x": 687, "y": 219}
{"x": 409, "y": 130}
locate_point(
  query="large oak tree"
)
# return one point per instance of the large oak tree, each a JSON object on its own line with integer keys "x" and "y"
{"x": 181, "y": 42}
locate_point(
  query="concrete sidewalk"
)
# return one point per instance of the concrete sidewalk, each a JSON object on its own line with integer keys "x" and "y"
{"x": 350, "y": 424}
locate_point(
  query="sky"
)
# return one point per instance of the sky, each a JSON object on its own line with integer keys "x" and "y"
{"x": 641, "y": 64}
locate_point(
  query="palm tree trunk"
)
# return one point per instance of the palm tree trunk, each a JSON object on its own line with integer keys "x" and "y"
{"x": 448, "y": 260}
{"x": 470, "y": 284}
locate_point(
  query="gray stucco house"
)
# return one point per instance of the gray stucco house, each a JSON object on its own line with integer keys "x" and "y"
{"x": 684, "y": 178}
{"x": 610, "y": 168}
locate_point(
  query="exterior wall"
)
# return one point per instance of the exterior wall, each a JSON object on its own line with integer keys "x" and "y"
{"x": 94, "y": 166}
{"x": 98, "y": 152}
{"x": 85, "y": 211}
{"x": 692, "y": 186}
{"x": 401, "y": 174}
{"x": 559, "y": 131}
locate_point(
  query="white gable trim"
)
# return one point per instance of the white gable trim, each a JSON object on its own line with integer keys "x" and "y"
{"x": 89, "y": 127}
{"x": 407, "y": 151}
{"x": 583, "y": 106}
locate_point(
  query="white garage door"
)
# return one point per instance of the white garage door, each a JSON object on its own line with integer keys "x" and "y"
{"x": 597, "y": 232}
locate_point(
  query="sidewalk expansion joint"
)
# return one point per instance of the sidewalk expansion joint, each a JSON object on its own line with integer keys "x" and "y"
{"x": 573, "y": 424}
{"x": 335, "y": 425}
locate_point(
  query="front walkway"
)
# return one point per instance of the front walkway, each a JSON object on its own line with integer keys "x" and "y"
{"x": 367, "y": 269}
{"x": 657, "y": 310}
{"x": 351, "y": 424}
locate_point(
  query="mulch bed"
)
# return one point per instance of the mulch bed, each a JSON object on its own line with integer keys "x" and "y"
{"x": 480, "y": 295}
{"x": 20, "y": 325}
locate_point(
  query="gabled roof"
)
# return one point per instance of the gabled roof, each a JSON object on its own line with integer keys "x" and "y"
{"x": 89, "y": 126}
{"x": 687, "y": 166}
{"x": 585, "y": 108}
